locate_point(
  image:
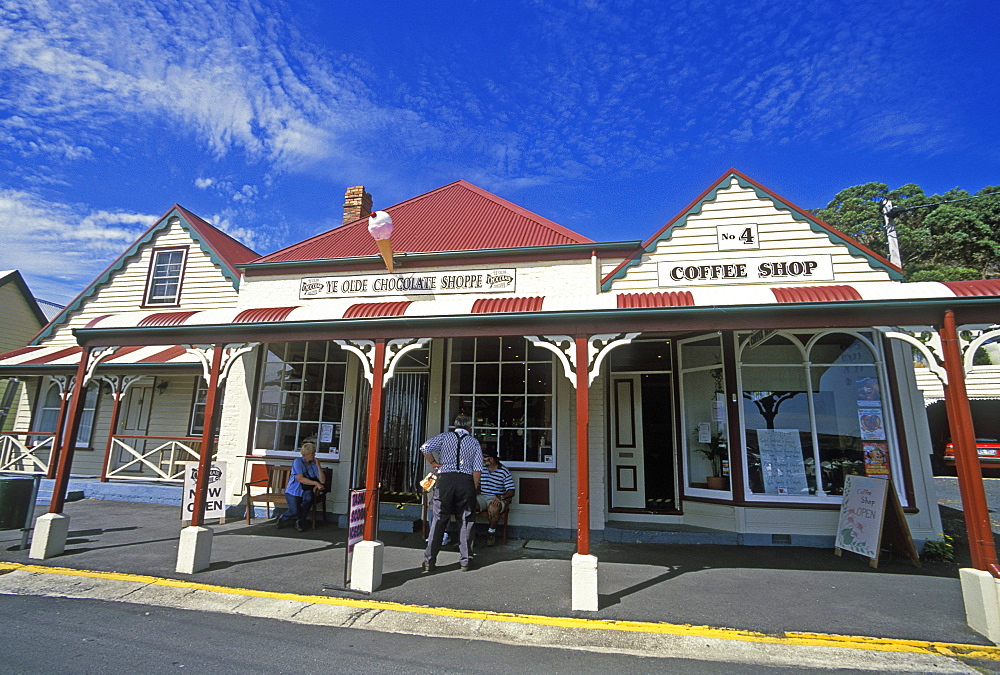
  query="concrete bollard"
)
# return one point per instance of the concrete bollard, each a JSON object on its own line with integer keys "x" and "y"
{"x": 585, "y": 596}
{"x": 366, "y": 566}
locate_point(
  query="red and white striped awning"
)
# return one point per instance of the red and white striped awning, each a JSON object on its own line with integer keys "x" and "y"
{"x": 714, "y": 296}
{"x": 62, "y": 356}
{"x": 353, "y": 309}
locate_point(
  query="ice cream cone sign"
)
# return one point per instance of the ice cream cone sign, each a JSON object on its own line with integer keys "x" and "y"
{"x": 380, "y": 227}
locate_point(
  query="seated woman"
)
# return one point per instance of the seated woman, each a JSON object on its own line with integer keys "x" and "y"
{"x": 306, "y": 481}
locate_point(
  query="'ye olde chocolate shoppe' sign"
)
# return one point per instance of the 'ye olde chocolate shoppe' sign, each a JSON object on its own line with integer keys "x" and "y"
{"x": 417, "y": 283}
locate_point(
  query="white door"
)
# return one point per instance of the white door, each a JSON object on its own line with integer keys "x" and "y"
{"x": 134, "y": 421}
{"x": 628, "y": 490}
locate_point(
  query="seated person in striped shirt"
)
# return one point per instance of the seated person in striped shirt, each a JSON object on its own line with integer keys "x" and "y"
{"x": 496, "y": 489}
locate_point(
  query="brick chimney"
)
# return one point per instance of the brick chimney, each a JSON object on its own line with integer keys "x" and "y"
{"x": 357, "y": 204}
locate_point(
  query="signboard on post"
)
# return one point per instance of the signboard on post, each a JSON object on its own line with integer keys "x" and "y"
{"x": 356, "y": 523}
{"x": 215, "y": 502}
{"x": 871, "y": 515}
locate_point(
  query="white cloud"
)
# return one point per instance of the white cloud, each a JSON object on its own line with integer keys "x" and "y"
{"x": 203, "y": 183}
{"x": 246, "y": 86}
{"x": 59, "y": 248}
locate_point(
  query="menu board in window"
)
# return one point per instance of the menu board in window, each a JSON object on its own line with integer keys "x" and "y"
{"x": 781, "y": 462}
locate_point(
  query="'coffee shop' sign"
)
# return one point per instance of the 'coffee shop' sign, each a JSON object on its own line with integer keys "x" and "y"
{"x": 745, "y": 270}
{"x": 417, "y": 283}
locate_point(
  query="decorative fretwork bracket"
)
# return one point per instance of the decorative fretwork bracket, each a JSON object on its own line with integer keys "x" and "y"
{"x": 97, "y": 355}
{"x": 231, "y": 352}
{"x": 394, "y": 350}
{"x": 120, "y": 384}
{"x": 927, "y": 341}
{"x": 65, "y": 384}
{"x": 598, "y": 347}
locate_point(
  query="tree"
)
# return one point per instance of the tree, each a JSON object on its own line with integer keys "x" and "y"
{"x": 945, "y": 237}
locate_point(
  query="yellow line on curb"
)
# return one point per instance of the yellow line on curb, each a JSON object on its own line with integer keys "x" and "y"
{"x": 788, "y": 638}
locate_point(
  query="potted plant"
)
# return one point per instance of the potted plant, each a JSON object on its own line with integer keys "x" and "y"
{"x": 716, "y": 450}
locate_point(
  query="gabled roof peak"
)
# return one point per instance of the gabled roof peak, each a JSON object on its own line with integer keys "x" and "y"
{"x": 222, "y": 249}
{"x": 729, "y": 178}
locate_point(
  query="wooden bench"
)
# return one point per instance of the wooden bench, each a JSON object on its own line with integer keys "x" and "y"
{"x": 501, "y": 521}
{"x": 274, "y": 479}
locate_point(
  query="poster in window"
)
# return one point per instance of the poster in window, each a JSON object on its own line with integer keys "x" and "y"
{"x": 876, "y": 459}
{"x": 719, "y": 408}
{"x": 327, "y": 440}
{"x": 869, "y": 394}
{"x": 781, "y": 462}
{"x": 870, "y": 420}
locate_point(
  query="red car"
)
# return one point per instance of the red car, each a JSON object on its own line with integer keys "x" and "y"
{"x": 987, "y": 448}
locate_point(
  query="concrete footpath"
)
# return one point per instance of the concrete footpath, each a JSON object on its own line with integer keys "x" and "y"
{"x": 774, "y": 605}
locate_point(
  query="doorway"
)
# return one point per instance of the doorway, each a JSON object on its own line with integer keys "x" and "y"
{"x": 134, "y": 422}
{"x": 643, "y": 462}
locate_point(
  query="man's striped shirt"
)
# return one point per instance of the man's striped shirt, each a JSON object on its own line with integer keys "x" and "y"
{"x": 495, "y": 482}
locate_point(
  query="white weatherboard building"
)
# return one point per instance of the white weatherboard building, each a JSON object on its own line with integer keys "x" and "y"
{"x": 715, "y": 382}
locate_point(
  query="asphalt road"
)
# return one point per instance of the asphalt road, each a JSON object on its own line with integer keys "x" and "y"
{"x": 60, "y": 635}
{"x": 950, "y": 498}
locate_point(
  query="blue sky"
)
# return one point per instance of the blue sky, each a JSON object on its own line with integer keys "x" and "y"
{"x": 607, "y": 117}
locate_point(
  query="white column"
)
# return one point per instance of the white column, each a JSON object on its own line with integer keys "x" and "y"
{"x": 194, "y": 550}
{"x": 585, "y": 583}
{"x": 49, "y": 539}
{"x": 982, "y": 602}
{"x": 366, "y": 566}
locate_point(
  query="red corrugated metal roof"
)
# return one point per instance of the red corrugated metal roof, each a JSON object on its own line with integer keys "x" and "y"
{"x": 52, "y": 356}
{"x": 979, "y": 287}
{"x": 165, "y": 355}
{"x": 816, "y": 294}
{"x": 665, "y": 299}
{"x": 97, "y": 319}
{"x": 263, "y": 314}
{"x": 17, "y": 352}
{"x": 371, "y": 310}
{"x": 230, "y": 251}
{"x": 122, "y": 353}
{"x": 165, "y": 319}
{"x": 456, "y": 217}
{"x": 497, "y": 305}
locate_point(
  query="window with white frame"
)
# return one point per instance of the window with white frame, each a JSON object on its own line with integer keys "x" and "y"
{"x": 48, "y": 414}
{"x": 505, "y": 385}
{"x": 197, "y": 426}
{"x": 301, "y": 396}
{"x": 813, "y": 413}
{"x": 163, "y": 287}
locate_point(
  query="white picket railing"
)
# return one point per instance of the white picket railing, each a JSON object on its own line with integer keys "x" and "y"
{"x": 26, "y": 451}
{"x": 132, "y": 458}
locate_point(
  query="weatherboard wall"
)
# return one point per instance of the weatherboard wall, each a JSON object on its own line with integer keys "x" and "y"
{"x": 19, "y": 323}
{"x": 694, "y": 238}
{"x": 203, "y": 286}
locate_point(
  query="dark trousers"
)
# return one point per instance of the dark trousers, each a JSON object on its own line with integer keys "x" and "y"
{"x": 298, "y": 507}
{"x": 454, "y": 495}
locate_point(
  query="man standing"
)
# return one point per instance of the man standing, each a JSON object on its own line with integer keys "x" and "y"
{"x": 496, "y": 489}
{"x": 459, "y": 464}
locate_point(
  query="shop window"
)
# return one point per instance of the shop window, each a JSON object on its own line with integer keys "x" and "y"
{"x": 813, "y": 413}
{"x": 505, "y": 385}
{"x": 48, "y": 414}
{"x": 705, "y": 433}
{"x": 300, "y": 397}
{"x": 163, "y": 286}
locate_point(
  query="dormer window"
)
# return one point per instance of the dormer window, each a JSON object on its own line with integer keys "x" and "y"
{"x": 163, "y": 287}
